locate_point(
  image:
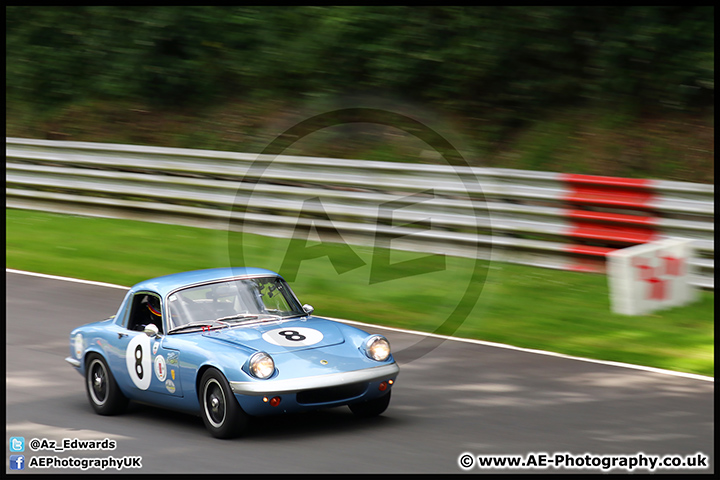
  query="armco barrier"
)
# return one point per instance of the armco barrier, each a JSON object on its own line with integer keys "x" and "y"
{"x": 546, "y": 219}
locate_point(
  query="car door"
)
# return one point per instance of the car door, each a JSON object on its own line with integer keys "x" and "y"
{"x": 140, "y": 362}
{"x": 166, "y": 368}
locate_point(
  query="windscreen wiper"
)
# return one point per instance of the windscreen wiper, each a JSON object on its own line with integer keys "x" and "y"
{"x": 249, "y": 316}
{"x": 239, "y": 316}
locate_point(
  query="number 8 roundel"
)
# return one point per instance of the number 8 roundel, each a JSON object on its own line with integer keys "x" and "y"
{"x": 293, "y": 336}
{"x": 139, "y": 364}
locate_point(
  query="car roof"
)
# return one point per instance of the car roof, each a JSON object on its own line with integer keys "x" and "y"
{"x": 166, "y": 284}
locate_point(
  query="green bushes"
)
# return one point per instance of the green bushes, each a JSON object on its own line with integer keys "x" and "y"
{"x": 518, "y": 60}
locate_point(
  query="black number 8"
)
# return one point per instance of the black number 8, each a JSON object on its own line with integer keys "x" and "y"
{"x": 292, "y": 335}
{"x": 138, "y": 361}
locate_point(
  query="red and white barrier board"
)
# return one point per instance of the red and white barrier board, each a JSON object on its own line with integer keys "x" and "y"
{"x": 650, "y": 277}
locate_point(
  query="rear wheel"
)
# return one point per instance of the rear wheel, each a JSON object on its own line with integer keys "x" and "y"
{"x": 219, "y": 408}
{"x": 371, "y": 408}
{"x": 102, "y": 390}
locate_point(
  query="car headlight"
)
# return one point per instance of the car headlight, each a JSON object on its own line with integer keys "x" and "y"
{"x": 261, "y": 365}
{"x": 377, "y": 347}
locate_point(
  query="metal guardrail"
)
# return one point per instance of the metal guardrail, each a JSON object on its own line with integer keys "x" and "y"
{"x": 537, "y": 218}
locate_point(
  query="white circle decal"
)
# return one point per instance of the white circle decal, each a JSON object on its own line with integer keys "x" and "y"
{"x": 78, "y": 345}
{"x": 160, "y": 368}
{"x": 139, "y": 364}
{"x": 293, "y": 336}
{"x": 170, "y": 386}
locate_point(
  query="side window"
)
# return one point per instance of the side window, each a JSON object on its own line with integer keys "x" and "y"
{"x": 145, "y": 310}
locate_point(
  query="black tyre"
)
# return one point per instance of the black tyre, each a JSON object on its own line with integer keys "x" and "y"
{"x": 219, "y": 408}
{"x": 371, "y": 408}
{"x": 102, "y": 390}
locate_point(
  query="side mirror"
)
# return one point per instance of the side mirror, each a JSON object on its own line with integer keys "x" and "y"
{"x": 308, "y": 309}
{"x": 151, "y": 330}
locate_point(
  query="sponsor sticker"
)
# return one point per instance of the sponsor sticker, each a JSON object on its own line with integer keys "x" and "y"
{"x": 160, "y": 368}
{"x": 172, "y": 358}
{"x": 170, "y": 385}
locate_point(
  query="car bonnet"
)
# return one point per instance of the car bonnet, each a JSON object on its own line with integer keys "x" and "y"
{"x": 281, "y": 336}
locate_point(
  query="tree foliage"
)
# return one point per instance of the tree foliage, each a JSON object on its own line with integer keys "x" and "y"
{"x": 524, "y": 59}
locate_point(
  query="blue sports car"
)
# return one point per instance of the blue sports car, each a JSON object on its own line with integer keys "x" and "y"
{"x": 229, "y": 343}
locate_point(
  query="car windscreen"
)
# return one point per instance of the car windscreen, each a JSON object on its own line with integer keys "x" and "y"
{"x": 232, "y": 301}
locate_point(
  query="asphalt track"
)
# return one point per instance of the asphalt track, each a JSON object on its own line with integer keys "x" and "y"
{"x": 458, "y": 398}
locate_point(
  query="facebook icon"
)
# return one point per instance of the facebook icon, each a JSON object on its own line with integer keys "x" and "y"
{"x": 17, "y": 462}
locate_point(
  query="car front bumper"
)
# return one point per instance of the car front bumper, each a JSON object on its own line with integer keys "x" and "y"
{"x": 294, "y": 385}
{"x": 75, "y": 363}
{"x": 272, "y": 397}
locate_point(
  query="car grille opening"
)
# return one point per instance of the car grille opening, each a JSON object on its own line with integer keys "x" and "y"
{"x": 331, "y": 394}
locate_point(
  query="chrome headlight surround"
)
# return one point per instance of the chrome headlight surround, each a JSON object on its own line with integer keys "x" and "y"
{"x": 261, "y": 365}
{"x": 377, "y": 348}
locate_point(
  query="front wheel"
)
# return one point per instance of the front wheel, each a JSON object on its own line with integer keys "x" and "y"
{"x": 102, "y": 390}
{"x": 219, "y": 409}
{"x": 371, "y": 408}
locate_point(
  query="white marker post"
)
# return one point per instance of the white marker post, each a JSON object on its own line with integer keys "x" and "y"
{"x": 650, "y": 277}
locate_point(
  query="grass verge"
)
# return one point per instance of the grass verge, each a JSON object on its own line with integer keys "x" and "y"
{"x": 564, "y": 312}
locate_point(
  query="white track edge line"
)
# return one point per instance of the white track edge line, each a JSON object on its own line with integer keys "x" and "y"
{"x": 426, "y": 334}
{"x": 66, "y": 279}
{"x": 693, "y": 376}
